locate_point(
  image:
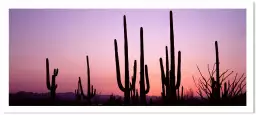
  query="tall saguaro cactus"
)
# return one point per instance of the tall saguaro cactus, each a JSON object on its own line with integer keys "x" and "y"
{"x": 91, "y": 92}
{"x": 51, "y": 86}
{"x": 215, "y": 83}
{"x": 218, "y": 85}
{"x": 143, "y": 90}
{"x": 126, "y": 89}
{"x": 168, "y": 79}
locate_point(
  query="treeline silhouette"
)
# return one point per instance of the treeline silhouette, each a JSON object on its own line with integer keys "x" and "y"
{"x": 215, "y": 90}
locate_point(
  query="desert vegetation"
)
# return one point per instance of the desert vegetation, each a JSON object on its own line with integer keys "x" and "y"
{"x": 214, "y": 89}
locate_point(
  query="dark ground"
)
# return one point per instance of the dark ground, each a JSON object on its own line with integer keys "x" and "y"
{"x": 69, "y": 99}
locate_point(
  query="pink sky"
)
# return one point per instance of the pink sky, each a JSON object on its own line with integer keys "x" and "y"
{"x": 67, "y": 36}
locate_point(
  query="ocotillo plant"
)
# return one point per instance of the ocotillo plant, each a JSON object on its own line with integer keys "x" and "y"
{"x": 212, "y": 87}
{"x": 169, "y": 80}
{"x": 126, "y": 88}
{"x": 143, "y": 90}
{"x": 91, "y": 92}
{"x": 52, "y": 87}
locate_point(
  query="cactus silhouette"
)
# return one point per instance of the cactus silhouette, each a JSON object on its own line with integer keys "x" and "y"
{"x": 78, "y": 92}
{"x": 212, "y": 88}
{"x": 91, "y": 92}
{"x": 168, "y": 79}
{"x": 143, "y": 90}
{"x": 218, "y": 85}
{"x": 52, "y": 87}
{"x": 215, "y": 83}
{"x": 78, "y": 95}
{"x": 180, "y": 93}
{"x": 126, "y": 89}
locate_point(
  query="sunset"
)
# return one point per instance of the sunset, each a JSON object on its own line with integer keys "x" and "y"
{"x": 67, "y": 36}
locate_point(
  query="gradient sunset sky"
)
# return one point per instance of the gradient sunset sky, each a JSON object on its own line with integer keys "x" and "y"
{"x": 67, "y": 36}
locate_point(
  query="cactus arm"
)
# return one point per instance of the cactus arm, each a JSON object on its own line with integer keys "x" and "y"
{"x": 54, "y": 85}
{"x": 93, "y": 92}
{"x": 118, "y": 74}
{"x": 47, "y": 75}
{"x": 56, "y": 71}
{"x": 167, "y": 78}
{"x": 132, "y": 85}
{"x": 88, "y": 77}
{"x": 167, "y": 66}
{"x": 134, "y": 74}
{"x": 147, "y": 80}
{"x": 81, "y": 87}
{"x": 178, "y": 71}
{"x": 162, "y": 76}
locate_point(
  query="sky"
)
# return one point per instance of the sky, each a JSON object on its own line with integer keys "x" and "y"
{"x": 67, "y": 36}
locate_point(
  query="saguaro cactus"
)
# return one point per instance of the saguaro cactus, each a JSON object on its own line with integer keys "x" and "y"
{"x": 91, "y": 92}
{"x": 218, "y": 85}
{"x": 52, "y": 87}
{"x": 215, "y": 83}
{"x": 78, "y": 91}
{"x": 143, "y": 90}
{"x": 126, "y": 89}
{"x": 171, "y": 84}
{"x": 172, "y": 76}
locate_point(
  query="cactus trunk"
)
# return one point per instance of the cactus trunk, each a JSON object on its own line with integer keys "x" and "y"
{"x": 127, "y": 83}
{"x": 217, "y": 72}
{"x": 142, "y": 83}
{"x": 172, "y": 53}
{"x": 143, "y": 90}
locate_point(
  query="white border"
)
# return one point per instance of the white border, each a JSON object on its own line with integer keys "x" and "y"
{"x": 4, "y": 43}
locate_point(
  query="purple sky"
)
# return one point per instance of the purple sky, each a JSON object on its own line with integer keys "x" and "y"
{"x": 67, "y": 36}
